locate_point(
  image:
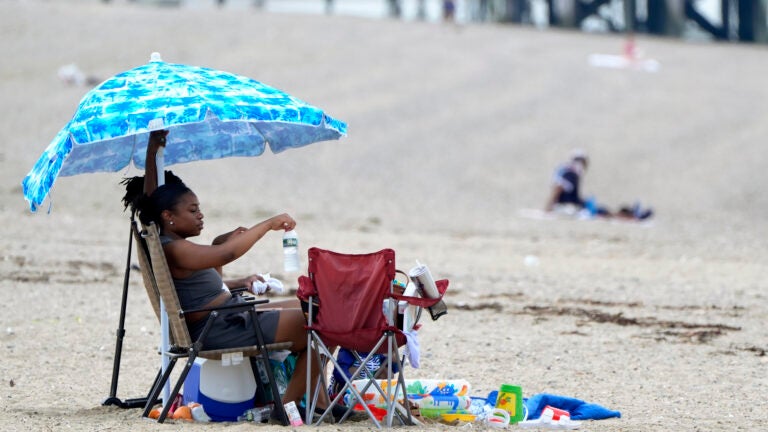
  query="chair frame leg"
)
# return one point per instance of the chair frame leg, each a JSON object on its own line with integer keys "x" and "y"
{"x": 392, "y": 401}
{"x": 322, "y": 384}
{"x": 407, "y": 403}
{"x": 347, "y": 385}
{"x": 157, "y": 388}
{"x": 310, "y": 402}
{"x": 191, "y": 355}
{"x": 177, "y": 387}
{"x": 394, "y": 407}
{"x": 112, "y": 399}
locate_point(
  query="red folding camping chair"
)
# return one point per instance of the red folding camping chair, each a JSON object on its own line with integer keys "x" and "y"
{"x": 345, "y": 297}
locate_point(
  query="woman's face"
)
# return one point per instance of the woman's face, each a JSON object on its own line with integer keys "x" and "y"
{"x": 186, "y": 216}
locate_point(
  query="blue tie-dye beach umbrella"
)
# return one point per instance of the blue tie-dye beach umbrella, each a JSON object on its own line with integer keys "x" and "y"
{"x": 210, "y": 115}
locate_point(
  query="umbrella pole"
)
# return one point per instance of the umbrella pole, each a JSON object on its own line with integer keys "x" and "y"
{"x": 113, "y": 399}
{"x": 164, "y": 331}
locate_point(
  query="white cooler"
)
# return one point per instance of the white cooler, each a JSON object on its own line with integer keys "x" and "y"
{"x": 225, "y": 392}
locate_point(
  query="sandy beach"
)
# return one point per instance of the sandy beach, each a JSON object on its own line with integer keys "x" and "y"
{"x": 453, "y": 135}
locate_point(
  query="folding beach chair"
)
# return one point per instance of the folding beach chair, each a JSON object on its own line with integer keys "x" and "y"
{"x": 345, "y": 298}
{"x": 142, "y": 254}
{"x": 155, "y": 270}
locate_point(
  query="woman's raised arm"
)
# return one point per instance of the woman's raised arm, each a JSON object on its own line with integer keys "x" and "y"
{"x": 156, "y": 140}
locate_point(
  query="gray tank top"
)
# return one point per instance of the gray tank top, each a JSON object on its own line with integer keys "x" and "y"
{"x": 199, "y": 288}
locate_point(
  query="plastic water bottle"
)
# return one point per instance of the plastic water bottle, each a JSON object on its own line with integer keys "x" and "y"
{"x": 256, "y": 415}
{"x": 291, "y": 251}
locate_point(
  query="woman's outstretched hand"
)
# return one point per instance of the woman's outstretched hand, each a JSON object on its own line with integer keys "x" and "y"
{"x": 282, "y": 222}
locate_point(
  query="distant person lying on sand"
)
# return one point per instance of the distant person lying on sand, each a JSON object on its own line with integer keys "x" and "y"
{"x": 566, "y": 195}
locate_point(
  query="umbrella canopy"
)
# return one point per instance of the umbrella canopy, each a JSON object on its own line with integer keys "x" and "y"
{"x": 210, "y": 114}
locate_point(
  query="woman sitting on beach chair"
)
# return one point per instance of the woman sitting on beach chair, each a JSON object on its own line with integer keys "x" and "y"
{"x": 196, "y": 268}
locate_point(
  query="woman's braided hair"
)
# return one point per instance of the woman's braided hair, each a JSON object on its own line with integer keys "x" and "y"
{"x": 150, "y": 207}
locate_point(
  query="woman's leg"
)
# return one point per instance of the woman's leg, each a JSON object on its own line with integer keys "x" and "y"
{"x": 281, "y": 304}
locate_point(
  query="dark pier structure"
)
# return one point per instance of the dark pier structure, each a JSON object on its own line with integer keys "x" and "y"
{"x": 740, "y": 20}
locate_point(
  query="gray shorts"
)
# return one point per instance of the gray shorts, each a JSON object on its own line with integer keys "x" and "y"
{"x": 237, "y": 329}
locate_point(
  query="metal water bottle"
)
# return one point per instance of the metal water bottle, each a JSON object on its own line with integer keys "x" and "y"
{"x": 291, "y": 251}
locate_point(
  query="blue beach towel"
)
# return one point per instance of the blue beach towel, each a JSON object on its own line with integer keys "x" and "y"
{"x": 579, "y": 409}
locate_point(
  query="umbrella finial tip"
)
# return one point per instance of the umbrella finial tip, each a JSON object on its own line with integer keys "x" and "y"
{"x": 155, "y": 57}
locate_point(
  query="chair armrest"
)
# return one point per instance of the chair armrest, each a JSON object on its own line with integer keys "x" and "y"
{"x": 442, "y": 287}
{"x": 248, "y": 304}
{"x": 306, "y": 288}
{"x": 238, "y": 291}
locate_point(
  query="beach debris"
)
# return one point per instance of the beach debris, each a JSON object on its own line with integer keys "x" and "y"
{"x": 552, "y": 418}
{"x": 495, "y": 306}
{"x": 531, "y": 261}
{"x": 631, "y": 58}
{"x": 11, "y": 383}
{"x": 192, "y": 411}
{"x": 198, "y": 413}
{"x": 683, "y": 331}
{"x": 758, "y": 351}
{"x": 71, "y": 75}
{"x": 621, "y": 62}
{"x": 182, "y": 413}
